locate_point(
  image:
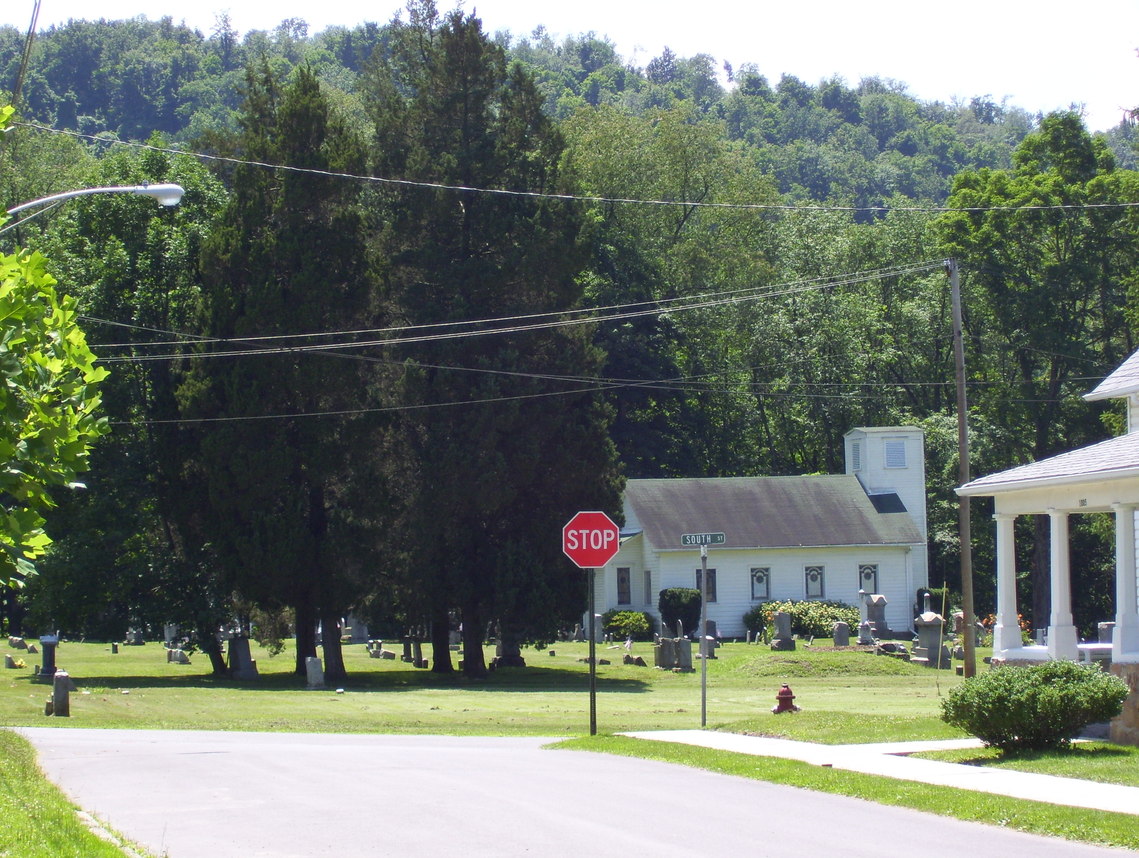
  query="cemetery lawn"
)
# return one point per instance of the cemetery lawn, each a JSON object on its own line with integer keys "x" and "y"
{"x": 846, "y": 697}
{"x": 38, "y": 820}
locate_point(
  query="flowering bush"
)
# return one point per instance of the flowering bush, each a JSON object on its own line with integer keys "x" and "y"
{"x": 808, "y": 618}
{"x": 628, "y": 624}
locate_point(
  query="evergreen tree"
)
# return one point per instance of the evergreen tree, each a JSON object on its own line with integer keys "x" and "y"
{"x": 283, "y": 470}
{"x": 506, "y": 444}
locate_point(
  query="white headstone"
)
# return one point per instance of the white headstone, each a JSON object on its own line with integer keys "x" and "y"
{"x": 314, "y": 671}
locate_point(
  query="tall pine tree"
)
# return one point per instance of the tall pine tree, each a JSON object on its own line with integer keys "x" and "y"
{"x": 288, "y": 450}
{"x": 506, "y": 445}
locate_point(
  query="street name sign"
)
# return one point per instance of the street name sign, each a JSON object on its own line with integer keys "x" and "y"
{"x": 702, "y": 539}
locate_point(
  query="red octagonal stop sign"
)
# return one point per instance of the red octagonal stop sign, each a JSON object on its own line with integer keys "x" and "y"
{"x": 590, "y": 539}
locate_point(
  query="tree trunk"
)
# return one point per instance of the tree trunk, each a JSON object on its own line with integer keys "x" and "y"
{"x": 474, "y": 664}
{"x": 306, "y": 635}
{"x": 441, "y": 643}
{"x": 212, "y": 648}
{"x": 334, "y": 670}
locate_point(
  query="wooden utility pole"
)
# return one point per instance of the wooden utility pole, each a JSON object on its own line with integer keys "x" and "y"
{"x": 963, "y": 523}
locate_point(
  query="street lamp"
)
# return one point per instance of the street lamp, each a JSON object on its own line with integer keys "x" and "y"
{"x": 165, "y": 194}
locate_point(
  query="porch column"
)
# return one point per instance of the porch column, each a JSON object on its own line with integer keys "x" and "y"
{"x": 1061, "y": 632}
{"x": 1006, "y": 631}
{"x": 1125, "y": 636}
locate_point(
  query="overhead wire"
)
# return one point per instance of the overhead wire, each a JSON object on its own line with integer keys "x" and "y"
{"x": 552, "y": 320}
{"x": 556, "y": 319}
{"x": 584, "y": 198}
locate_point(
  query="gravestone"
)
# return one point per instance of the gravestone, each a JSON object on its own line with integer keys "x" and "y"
{"x": 177, "y": 656}
{"x": 9, "y": 661}
{"x": 683, "y": 654}
{"x": 865, "y": 634}
{"x": 17, "y": 643}
{"x": 406, "y": 650}
{"x": 47, "y": 668}
{"x": 841, "y": 634}
{"x": 359, "y": 630}
{"x": 876, "y": 614}
{"x": 417, "y": 654}
{"x": 1105, "y": 632}
{"x": 61, "y": 688}
{"x": 314, "y": 673}
{"x": 783, "y": 640}
{"x": 931, "y": 650}
{"x": 241, "y": 663}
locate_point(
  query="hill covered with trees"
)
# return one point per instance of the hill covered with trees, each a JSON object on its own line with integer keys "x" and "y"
{"x": 422, "y": 274}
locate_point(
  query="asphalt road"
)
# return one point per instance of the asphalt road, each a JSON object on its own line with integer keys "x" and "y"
{"x": 287, "y": 795}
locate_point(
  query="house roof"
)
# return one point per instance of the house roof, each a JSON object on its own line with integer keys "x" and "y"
{"x": 1115, "y": 458}
{"x": 1123, "y": 382}
{"x": 768, "y": 512}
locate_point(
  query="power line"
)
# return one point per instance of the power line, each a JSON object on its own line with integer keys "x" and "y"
{"x": 581, "y": 198}
{"x": 507, "y": 325}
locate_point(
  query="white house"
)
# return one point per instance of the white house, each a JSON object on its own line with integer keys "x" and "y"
{"x": 1103, "y": 477}
{"x": 809, "y": 537}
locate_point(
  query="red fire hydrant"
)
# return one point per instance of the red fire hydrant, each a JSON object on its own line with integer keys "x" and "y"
{"x": 784, "y": 700}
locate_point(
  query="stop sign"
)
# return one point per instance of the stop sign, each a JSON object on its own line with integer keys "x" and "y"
{"x": 590, "y": 539}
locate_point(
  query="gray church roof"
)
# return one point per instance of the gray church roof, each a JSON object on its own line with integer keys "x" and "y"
{"x": 773, "y": 512}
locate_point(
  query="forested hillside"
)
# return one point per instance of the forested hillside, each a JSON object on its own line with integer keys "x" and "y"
{"x": 352, "y": 385}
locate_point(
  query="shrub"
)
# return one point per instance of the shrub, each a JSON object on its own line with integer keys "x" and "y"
{"x": 1039, "y": 707}
{"x": 628, "y": 624}
{"x": 680, "y": 603}
{"x": 755, "y": 620}
{"x": 810, "y": 618}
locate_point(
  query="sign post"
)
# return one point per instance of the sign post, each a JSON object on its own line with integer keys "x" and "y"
{"x": 703, "y": 540}
{"x": 590, "y": 540}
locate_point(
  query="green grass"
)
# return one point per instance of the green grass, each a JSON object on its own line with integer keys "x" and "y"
{"x": 1071, "y": 823}
{"x": 37, "y": 820}
{"x": 1090, "y": 761}
{"x": 846, "y": 697}
{"x": 136, "y": 688}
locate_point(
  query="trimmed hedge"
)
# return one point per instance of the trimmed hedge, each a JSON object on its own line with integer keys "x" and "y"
{"x": 679, "y": 603}
{"x": 1032, "y": 708}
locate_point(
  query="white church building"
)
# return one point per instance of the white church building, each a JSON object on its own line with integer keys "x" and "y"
{"x": 807, "y": 537}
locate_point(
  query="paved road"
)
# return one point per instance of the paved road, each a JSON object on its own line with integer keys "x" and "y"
{"x": 283, "y": 795}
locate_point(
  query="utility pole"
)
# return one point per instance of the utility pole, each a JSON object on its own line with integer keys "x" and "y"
{"x": 963, "y": 523}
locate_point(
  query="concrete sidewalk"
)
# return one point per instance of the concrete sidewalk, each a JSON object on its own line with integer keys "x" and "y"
{"x": 890, "y": 760}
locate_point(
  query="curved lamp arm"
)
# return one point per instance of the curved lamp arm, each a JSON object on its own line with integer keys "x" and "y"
{"x": 166, "y": 195}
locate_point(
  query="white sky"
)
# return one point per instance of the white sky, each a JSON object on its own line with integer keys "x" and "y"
{"x": 1040, "y": 55}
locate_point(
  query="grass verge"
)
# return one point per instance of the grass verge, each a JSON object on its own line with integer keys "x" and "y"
{"x": 38, "y": 820}
{"x": 1089, "y": 761}
{"x": 1070, "y": 823}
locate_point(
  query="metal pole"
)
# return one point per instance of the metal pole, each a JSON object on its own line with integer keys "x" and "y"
{"x": 592, "y": 656}
{"x": 703, "y": 635}
{"x": 964, "y": 526}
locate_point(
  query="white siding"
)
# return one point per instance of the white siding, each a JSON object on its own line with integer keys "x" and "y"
{"x": 733, "y": 578}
